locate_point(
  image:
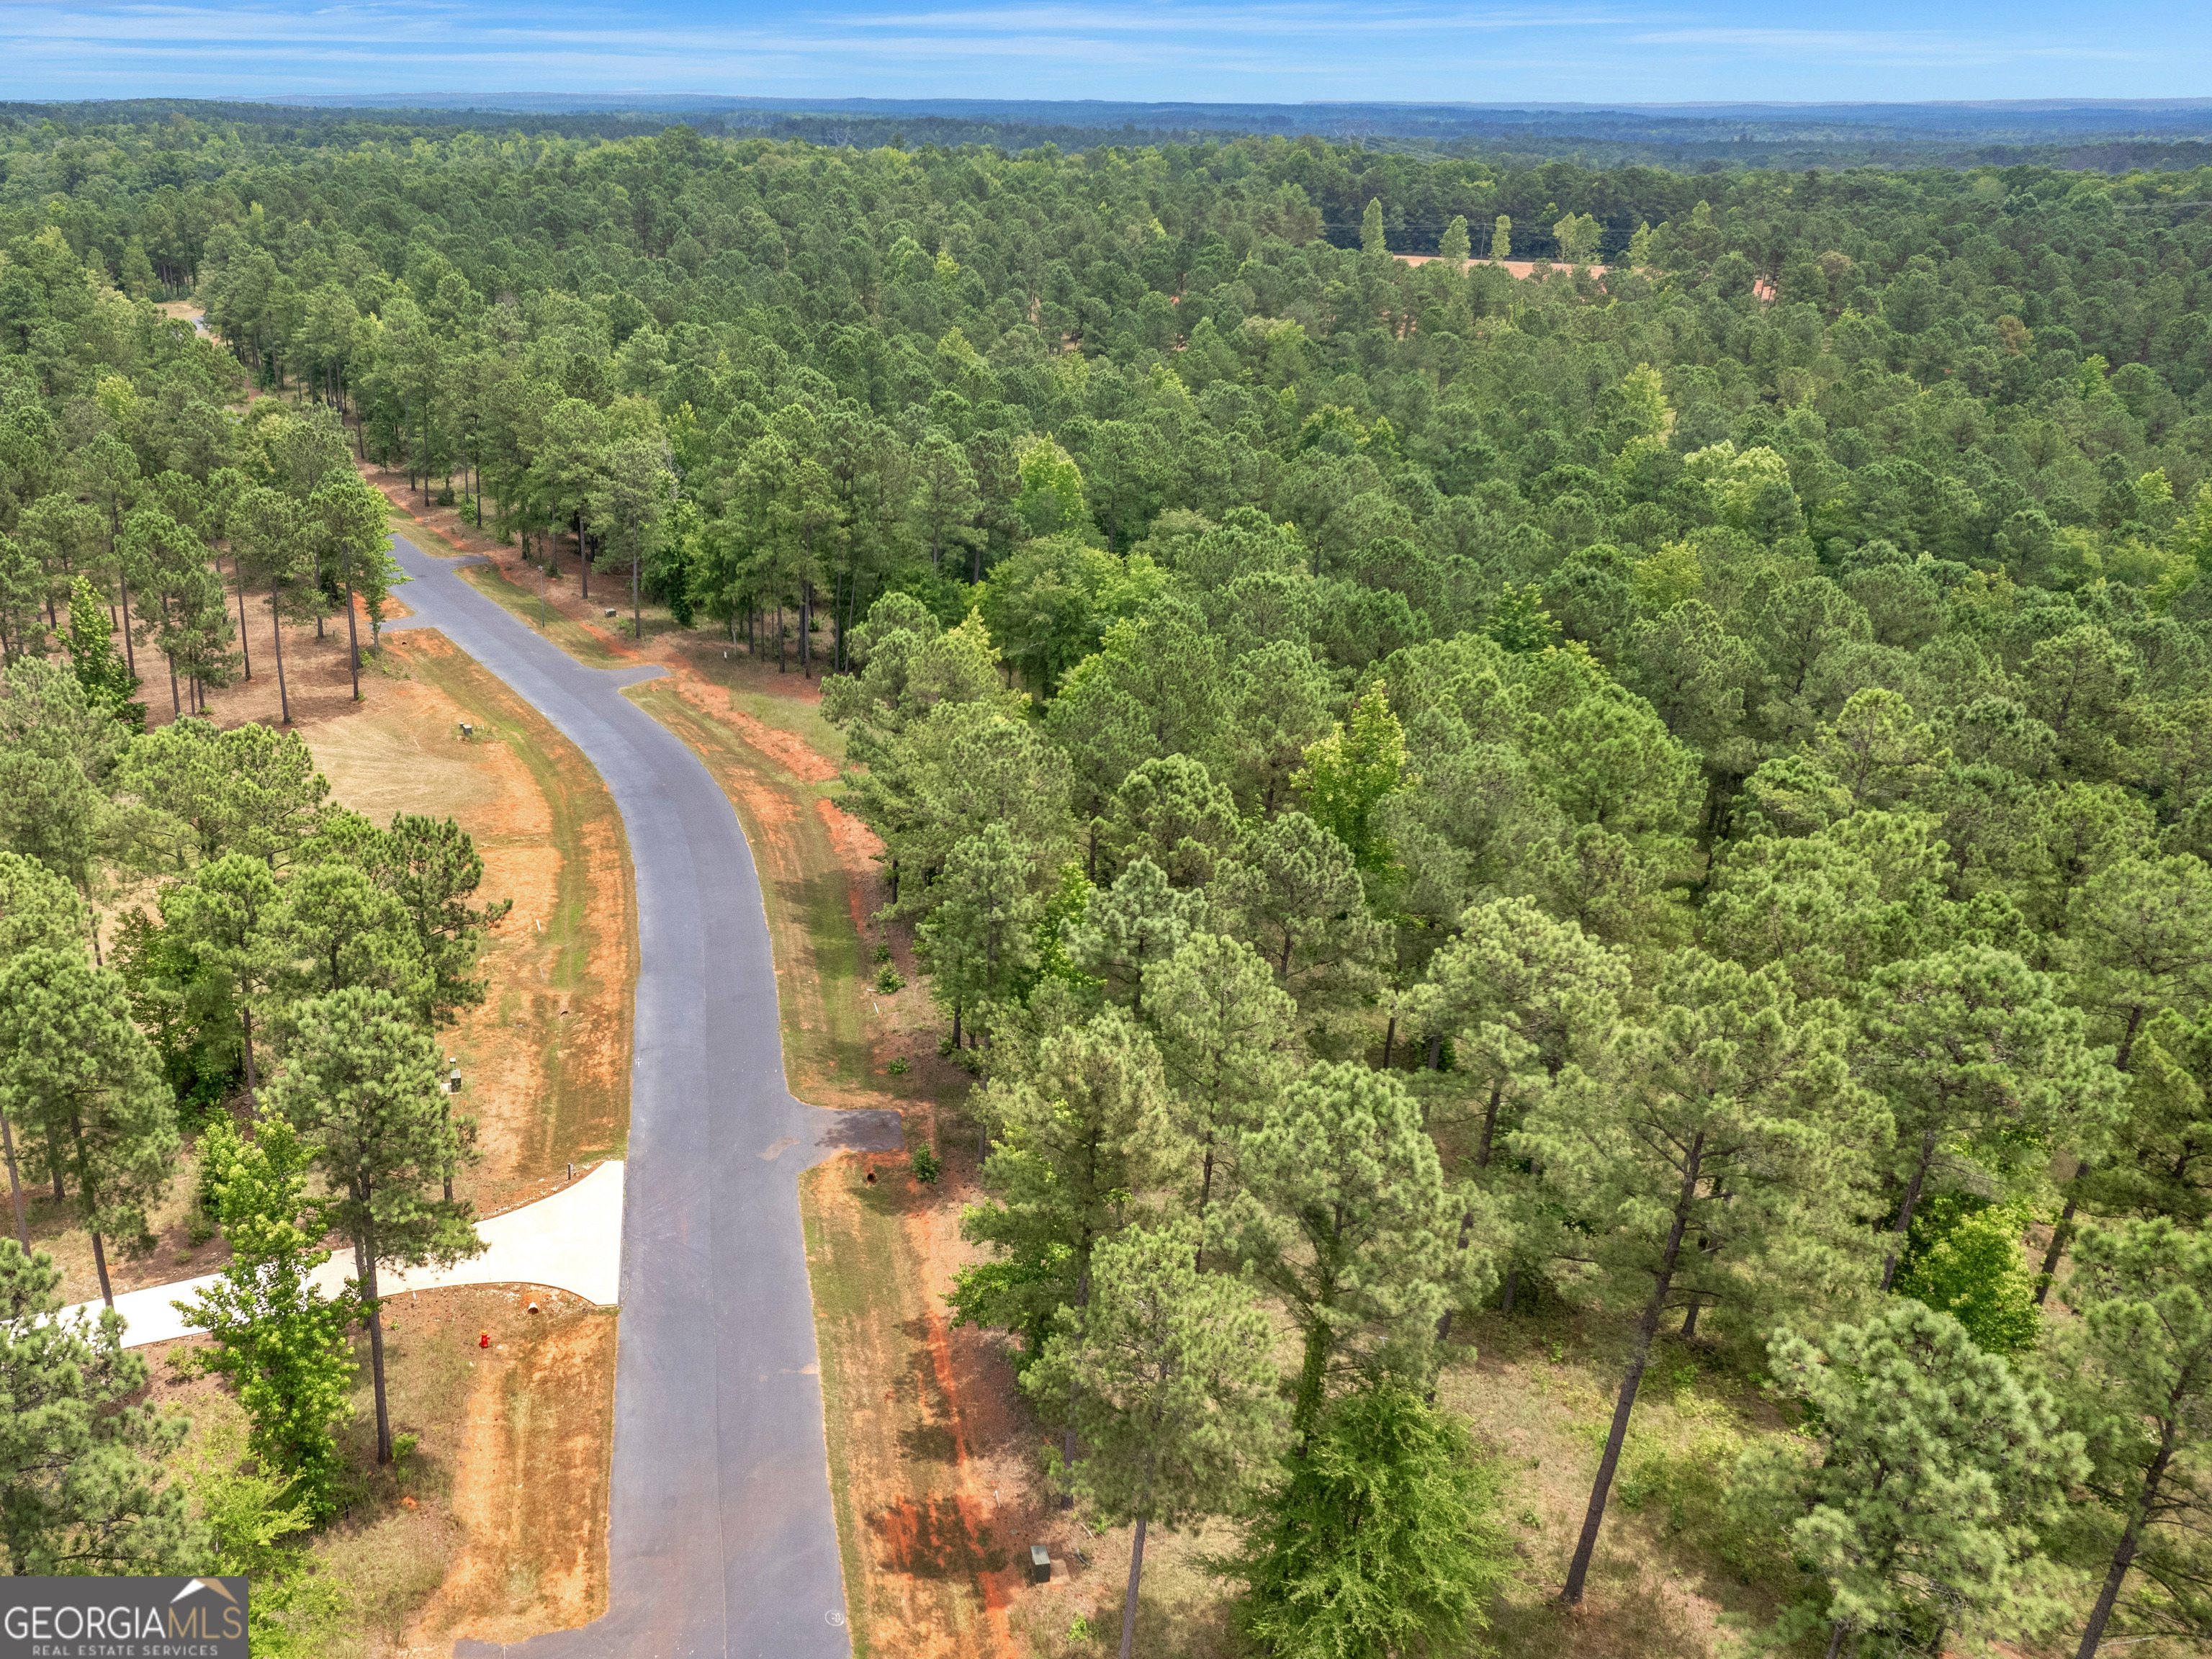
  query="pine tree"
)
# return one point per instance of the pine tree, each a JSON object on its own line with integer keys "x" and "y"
{"x": 1522, "y": 994}
{"x": 945, "y": 501}
{"x": 1933, "y": 1470}
{"x": 2138, "y": 941}
{"x": 1519, "y": 993}
{"x": 978, "y": 941}
{"x": 1501, "y": 239}
{"x": 56, "y": 753}
{"x": 361, "y": 1086}
{"x": 1282, "y": 699}
{"x": 2140, "y": 1364}
{"x": 1295, "y": 891}
{"x": 1452, "y": 247}
{"x": 351, "y": 524}
{"x": 72, "y": 1063}
{"x": 2162, "y": 1163}
{"x": 1139, "y": 921}
{"x": 1720, "y": 1154}
{"x": 1226, "y": 1032}
{"x": 226, "y": 913}
{"x": 432, "y": 867}
{"x": 274, "y": 547}
{"x": 1169, "y": 1379}
{"x": 38, "y": 912}
{"x": 1370, "y": 227}
{"x": 1083, "y": 1134}
{"x": 1973, "y": 1053}
{"x": 335, "y": 928}
{"x": 1171, "y": 810}
{"x": 1345, "y": 1214}
{"x": 80, "y": 1463}
{"x": 207, "y": 793}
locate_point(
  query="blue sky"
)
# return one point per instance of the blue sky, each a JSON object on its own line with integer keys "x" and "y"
{"x": 1273, "y": 50}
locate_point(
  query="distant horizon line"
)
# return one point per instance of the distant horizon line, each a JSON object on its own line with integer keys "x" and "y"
{"x": 765, "y": 101}
{"x": 606, "y": 100}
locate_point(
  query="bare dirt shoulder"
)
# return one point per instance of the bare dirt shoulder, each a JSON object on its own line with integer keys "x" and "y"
{"x": 545, "y": 1058}
{"x": 931, "y": 1455}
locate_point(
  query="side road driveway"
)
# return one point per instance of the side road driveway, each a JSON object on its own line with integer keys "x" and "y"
{"x": 571, "y": 1240}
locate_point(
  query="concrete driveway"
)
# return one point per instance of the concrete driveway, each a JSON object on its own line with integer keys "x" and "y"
{"x": 571, "y": 1240}
{"x": 722, "y": 1539}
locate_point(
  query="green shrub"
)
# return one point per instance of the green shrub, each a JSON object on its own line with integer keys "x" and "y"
{"x": 1965, "y": 1261}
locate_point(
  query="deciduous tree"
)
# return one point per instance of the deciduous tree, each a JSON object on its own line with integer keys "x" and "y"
{"x": 281, "y": 1344}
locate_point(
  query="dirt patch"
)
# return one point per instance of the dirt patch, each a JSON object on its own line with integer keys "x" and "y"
{"x": 530, "y": 1490}
{"x": 787, "y": 750}
{"x": 431, "y": 1548}
{"x": 933, "y": 1530}
{"x": 409, "y": 757}
{"x": 406, "y": 1529}
{"x": 1517, "y": 268}
{"x": 317, "y": 683}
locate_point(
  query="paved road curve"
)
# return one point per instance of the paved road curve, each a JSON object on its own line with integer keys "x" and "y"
{"x": 722, "y": 1541}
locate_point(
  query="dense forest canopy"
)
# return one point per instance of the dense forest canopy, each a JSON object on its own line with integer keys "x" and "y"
{"x": 2111, "y": 136}
{"x": 1675, "y": 779}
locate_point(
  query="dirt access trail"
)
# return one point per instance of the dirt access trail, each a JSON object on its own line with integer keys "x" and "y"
{"x": 721, "y": 1539}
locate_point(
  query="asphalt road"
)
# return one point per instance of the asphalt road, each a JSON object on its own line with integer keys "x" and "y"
{"x": 722, "y": 1541}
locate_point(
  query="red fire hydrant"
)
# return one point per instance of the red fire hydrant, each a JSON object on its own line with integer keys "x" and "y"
{"x": 484, "y": 1341}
